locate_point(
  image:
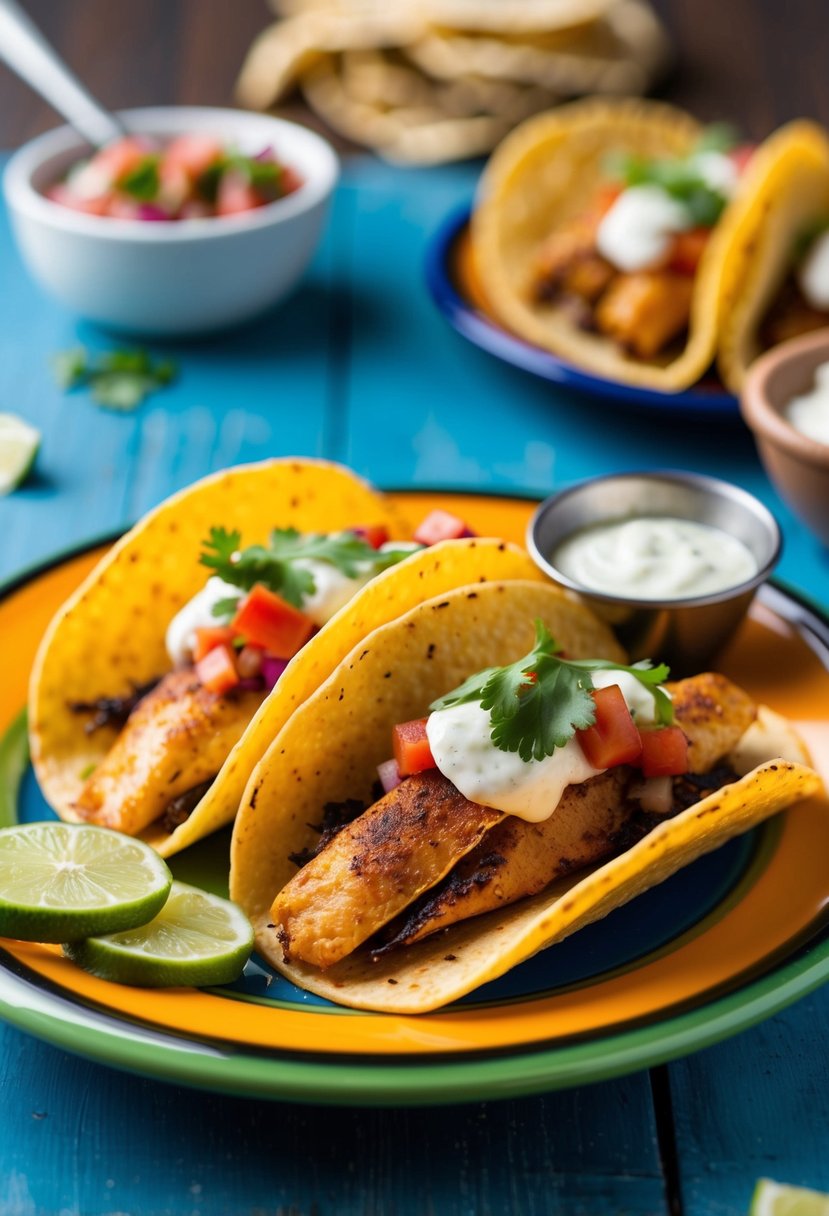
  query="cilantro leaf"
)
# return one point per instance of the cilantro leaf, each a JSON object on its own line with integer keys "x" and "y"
{"x": 680, "y": 178}
{"x": 143, "y": 181}
{"x": 276, "y": 565}
{"x": 538, "y": 703}
{"x": 717, "y": 137}
{"x": 116, "y": 379}
{"x": 225, "y": 609}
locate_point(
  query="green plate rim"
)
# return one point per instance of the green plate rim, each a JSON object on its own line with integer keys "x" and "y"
{"x": 378, "y": 1082}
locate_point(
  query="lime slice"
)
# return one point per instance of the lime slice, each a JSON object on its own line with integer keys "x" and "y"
{"x": 196, "y": 939}
{"x": 61, "y": 881}
{"x": 19, "y": 445}
{"x": 775, "y": 1199}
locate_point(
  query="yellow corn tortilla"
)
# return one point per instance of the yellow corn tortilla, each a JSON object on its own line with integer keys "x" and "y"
{"x": 110, "y": 633}
{"x": 547, "y": 172}
{"x": 786, "y": 194}
{"x": 329, "y": 749}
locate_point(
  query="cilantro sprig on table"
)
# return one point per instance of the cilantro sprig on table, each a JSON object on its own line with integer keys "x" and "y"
{"x": 680, "y": 177}
{"x": 274, "y": 565}
{"x": 116, "y": 379}
{"x": 538, "y": 703}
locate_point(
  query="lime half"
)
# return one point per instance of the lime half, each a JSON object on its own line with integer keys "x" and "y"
{"x": 61, "y": 881}
{"x": 775, "y": 1199}
{"x": 196, "y": 939}
{"x": 19, "y": 444}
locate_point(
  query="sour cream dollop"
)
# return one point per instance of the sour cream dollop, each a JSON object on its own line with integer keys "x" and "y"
{"x": 637, "y": 231}
{"x": 333, "y": 589}
{"x": 197, "y": 613}
{"x": 809, "y": 413}
{"x": 655, "y": 558}
{"x": 460, "y": 739}
{"x": 813, "y": 274}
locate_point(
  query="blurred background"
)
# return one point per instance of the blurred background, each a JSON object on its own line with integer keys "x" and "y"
{"x": 759, "y": 62}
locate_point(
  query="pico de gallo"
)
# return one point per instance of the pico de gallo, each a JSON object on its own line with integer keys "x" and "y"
{"x": 190, "y": 177}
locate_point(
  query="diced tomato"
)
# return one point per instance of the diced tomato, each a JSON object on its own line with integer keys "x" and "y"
{"x": 664, "y": 752}
{"x": 373, "y": 534}
{"x": 687, "y": 250}
{"x": 605, "y": 199}
{"x": 236, "y": 195}
{"x": 741, "y": 155}
{"x": 217, "y": 670}
{"x": 289, "y": 180}
{"x": 266, "y": 620}
{"x": 411, "y": 747}
{"x": 613, "y": 738}
{"x": 440, "y": 525}
{"x": 193, "y": 154}
{"x": 209, "y": 637}
{"x": 120, "y": 158}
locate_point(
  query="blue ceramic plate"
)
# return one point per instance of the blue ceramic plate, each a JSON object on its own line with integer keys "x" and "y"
{"x": 453, "y": 297}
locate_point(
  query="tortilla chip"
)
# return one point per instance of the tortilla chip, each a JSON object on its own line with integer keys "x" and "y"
{"x": 787, "y": 192}
{"x": 622, "y": 52}
{"x": 329, "y": 749}
{"x": 545, "y": 174}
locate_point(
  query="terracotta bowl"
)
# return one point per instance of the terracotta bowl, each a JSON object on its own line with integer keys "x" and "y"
{"x": 798, "y": 465}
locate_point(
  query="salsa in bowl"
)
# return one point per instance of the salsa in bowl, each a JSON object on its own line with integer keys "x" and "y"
{"x": 187, "y": 276}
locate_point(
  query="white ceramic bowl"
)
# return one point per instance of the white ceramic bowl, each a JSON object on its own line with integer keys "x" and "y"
{"x": 178, "y": 277}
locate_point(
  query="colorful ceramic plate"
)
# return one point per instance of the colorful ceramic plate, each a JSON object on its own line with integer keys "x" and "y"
{"x": 726, "y": 942}
{"x": 450, "y": 276}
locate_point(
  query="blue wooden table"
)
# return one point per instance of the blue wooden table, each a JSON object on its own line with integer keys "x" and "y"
{"x": 359, "y": 368}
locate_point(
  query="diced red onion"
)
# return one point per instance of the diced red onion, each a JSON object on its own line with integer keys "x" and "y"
{"x": 389, "y": 775}
{"x": 251, "y": 684}
{"x": 272, "y": 669}
{"x": 149, "y": 211}
{"x": 267, "y": 155}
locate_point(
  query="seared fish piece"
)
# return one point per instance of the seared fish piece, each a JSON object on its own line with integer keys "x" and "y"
{"x": 178, "y": 736}
{"x": 518, "y": 859}
{"x": 714, "y": 715}
{"x": 404, "y": 845}
{"x": 376, "y": 866}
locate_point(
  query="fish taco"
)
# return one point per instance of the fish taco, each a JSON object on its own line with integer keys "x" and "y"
{"x": 777, "y": 276}
{"x": 162, "y": 680}
{"x": 394, "y": 861}
{"x": 602, "y": 232}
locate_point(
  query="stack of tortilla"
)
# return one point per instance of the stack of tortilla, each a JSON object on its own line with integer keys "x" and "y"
{"x": 426, "y": 81}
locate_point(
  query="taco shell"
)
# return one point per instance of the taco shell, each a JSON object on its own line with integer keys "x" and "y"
{"x": 329, "y": 749}
{"x": 110, "y": 635}
{"x": 786, "y": 194}
{"x": 546, "y": 174}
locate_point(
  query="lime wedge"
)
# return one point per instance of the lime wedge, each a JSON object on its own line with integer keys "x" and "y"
{"x": 196, "y": 939}
{"x": 19, "y": 445}
{"x": 61, "y": 881}
{"x": 775, "y": 1199}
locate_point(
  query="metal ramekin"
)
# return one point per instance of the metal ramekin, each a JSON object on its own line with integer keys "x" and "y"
{"x": 686, "y": 632}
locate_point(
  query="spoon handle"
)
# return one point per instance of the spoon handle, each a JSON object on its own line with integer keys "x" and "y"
{"x": 27, "y": 53}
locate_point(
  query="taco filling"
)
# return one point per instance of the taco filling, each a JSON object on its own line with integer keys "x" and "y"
{"x": 802, "y": 303}
{"x": 625, "y": 267}
{"x": 227, "y": 646}
{"x": 521, "y": 775}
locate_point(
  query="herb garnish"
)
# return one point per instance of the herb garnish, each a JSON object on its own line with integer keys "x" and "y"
{"x": 680, "y": 177}
{"x": 116, "y": 379}
{"x": 538, "y": 703}
{"x": 143, "y": 181}
{"x": 274, "y": 564}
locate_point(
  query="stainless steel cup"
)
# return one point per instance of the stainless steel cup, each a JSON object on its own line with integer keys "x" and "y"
{"x": 685, "y": 632}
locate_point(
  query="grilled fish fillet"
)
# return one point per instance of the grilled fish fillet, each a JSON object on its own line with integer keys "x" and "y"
{"x": 377, "y": 865}
{"x": 178, "y": 736}
{"x": 331, "y": 906}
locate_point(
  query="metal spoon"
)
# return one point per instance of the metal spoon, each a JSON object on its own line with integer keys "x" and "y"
{"x": 26, "y": 52}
